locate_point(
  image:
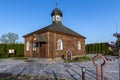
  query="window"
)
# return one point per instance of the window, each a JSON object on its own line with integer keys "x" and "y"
{"x": 58, "y": 18}
{"x": 27, "y": 46}
{"x": 34, "y": 46}
{"x": 79, "y": 46}
{"x": 53, "y": 19}
{"x": 60, "y": 45}
{"x": 34, "y": 39}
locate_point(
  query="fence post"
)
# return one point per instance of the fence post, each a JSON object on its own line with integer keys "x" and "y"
{"x": 83, "y": 73}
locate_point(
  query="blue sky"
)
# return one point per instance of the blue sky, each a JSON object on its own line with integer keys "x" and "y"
{"x": 95, "y": 19}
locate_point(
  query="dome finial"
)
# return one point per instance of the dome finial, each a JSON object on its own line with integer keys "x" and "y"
{"x": 56, "y": 4}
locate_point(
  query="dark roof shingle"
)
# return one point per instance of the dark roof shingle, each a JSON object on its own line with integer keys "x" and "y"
{"x": 58, "y": 27}
{"x": 40, "y": 38}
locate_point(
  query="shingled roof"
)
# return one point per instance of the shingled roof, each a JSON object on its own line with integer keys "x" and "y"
{"x": 57, "y": 27}
{"x": 40, "y": 38}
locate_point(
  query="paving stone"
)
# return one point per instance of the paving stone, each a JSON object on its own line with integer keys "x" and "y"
{"x": 56, "y": 69}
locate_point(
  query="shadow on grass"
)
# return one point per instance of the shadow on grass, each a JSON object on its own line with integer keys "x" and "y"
{"x": 8, "y": 76}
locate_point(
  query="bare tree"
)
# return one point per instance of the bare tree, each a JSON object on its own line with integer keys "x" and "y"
{"x": 9, "y": 38}
{"x": 4, "y": 39}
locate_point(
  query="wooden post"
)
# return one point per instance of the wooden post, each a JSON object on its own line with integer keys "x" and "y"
{"x": 83, "y": 73}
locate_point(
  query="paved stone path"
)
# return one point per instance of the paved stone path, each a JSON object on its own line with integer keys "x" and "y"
{"x": 56, "y": 69}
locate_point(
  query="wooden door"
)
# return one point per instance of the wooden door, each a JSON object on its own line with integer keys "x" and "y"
{"x": 42, "y": 50}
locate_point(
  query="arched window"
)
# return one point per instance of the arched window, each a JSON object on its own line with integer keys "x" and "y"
{"x": 78, "y": 45}
{"x": 53, "y": 19}
{"x": 58, "y": 18}
{"x": 27, "y": 46}
{"x": 59, "y": 44}
{"x": 34, "y": 46}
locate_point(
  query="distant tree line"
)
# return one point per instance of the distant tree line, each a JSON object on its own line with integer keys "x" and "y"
{"x": 102, "y": 48}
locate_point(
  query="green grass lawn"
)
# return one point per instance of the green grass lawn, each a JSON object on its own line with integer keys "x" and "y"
{"x": 20, "y": 58}
{"x": 79, "y": 59}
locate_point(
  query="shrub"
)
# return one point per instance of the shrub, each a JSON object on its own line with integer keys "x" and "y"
{"x": 79, "y": 59}
{"x": 20, "y": 58}
{"x": 102, "y": 48}
{"x": 19, "y": 48}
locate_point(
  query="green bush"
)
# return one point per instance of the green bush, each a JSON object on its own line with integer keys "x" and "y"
{"x": 20, "y": 58}
{"x": 3, "y": 51}
{"x": 82, "y": 58}
{"x": 102, "y": 48}
{"x": 79, "y": 59}
{"x": 4, "y": 48}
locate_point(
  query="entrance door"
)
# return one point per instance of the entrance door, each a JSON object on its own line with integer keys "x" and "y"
{"x": 42, "y": 50}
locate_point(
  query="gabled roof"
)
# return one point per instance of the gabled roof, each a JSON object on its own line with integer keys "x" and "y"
{"x": 57, "y": 27}
{"x": 40, "y": 38}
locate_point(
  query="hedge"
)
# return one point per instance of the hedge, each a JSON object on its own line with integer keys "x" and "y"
{"x": 4, "y": 48}
{"x": 97, "y": 48}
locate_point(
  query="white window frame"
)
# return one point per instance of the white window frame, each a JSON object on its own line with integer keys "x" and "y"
{"x": 27, "y": 46}
{"x": 79, "y": 45}
{"x": 59, "y": 45}
{"x": 34, "y": 46}
{"x": 58, "y": 18}
{"x": 53, "y": 19}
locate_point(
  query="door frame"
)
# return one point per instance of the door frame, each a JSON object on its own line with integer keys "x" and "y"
{"x": 42, "y": 51}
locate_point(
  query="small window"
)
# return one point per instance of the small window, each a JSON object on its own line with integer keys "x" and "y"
{"x": 60, "y": 45}
{"x": 34, "y": 39}
{"x": 58, "y": 18}
{"x": 27, "y": 46}
{"x": 79, "y": 46}
{"x": 53, "y": 19}
{"x": 34, "y": 46}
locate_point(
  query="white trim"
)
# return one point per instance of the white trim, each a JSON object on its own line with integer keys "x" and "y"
{"x": 57, "y": 18}
{"x": 59, "y": 45}
{"x": 27, "y": 46}
{"x": 78, "y": 45}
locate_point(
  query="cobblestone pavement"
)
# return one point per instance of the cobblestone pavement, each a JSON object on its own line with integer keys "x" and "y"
{"x": 56, "y": 69}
